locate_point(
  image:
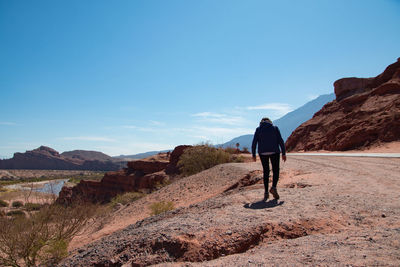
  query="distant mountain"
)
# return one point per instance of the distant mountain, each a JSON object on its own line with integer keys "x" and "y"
{"x": 243, "y": 140}
{"x": 288, "y": 123}
{"x": 140, "y": 155}
{"x": 46, "y": 158}
{"x": 88, "y": 155}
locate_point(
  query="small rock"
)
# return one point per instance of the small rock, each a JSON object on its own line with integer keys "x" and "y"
{"x": 383, "y": 215}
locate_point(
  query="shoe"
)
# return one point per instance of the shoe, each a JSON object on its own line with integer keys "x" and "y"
{"x": 266, "y": 196}
{"x": 274, "y": 192}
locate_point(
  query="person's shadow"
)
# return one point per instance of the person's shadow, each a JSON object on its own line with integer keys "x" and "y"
{"x": 263, "y": 205}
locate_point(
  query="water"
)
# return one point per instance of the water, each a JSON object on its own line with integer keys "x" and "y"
{"x": 48, "y": 187}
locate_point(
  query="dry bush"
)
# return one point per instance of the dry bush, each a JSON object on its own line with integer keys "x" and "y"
{"x": 43, "y": 236}
{"x": 32, "y": 206}
{"x": 3, "y": 203}
{"x": 15, "y": 213}
{"x": 17, "y": 204}
{"x": 160, "y": 207}
{"x": 126, "y": 198}
{"x": 231, "y": 150}
{"x": 202, "y": 157}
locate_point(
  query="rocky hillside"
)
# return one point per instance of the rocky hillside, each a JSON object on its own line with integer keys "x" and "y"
{"x": 87, "y": 155}
{"x": 46, "y": 158}
{"x": 325, "y": 217}
{"x": 139, "y": 176}
{"x": 366, "y": 112}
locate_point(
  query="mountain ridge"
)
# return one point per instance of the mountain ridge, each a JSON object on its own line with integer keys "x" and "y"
{"x": 287, "y": 123}
{"x": 46, "y": 158}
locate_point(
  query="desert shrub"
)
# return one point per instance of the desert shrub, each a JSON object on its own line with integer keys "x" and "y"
{"x": 15, "y": 213}
{"x": 32, "y": 206}
{"x": 17, "y": 204}
{"x": 246, "y": 150}
{"x": 41, "y": 238}
{"x": 201, "y": 157}
{"x": 237, "y": 159}
{"x": 160, "y": 207}
{"x": 3, "y": 203}
{"x": 231, "y": 150}
{"x": 126, "y": 198}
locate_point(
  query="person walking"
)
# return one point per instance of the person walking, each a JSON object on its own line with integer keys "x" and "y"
{"x": 270, "y": 145}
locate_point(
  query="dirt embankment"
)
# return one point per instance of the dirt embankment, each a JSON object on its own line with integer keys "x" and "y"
{"x": 332, "y": 211}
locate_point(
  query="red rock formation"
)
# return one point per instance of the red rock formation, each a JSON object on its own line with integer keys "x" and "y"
{"x": 172, "y": 167}
{"x": 140, "y": 176}
{"x": 147, "y": 166}
{"x": 365, "y": 112}
{"x": 46, "y": 158}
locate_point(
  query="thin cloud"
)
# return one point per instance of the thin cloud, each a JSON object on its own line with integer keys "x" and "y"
{"x": 220, "y": 131}
{"x": 143, "y": 129}
{"x": 272, "y": 106}
{"x": 7, "y": 123}
{"x": 277, "y": 109}
{"x": 157, "y": 123}
{"x": 89, "y": 138}
{"x": 218, "y": 118}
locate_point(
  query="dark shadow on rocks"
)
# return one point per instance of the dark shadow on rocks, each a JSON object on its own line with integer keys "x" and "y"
{"x": 263, "y": 205}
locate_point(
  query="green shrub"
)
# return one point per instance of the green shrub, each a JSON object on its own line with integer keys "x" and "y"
{"x": 3, "y": 203}
{"x": 126, "y": 198}
{"x": 17, "y": 204}
{"x": 202, "y": 157}
{"x": 160, "y": 207}
{"x": 15, "y": 213}
{"x": 32, "y": 206}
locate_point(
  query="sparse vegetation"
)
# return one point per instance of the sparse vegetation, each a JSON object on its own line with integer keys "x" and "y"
{"x": 32, "y": 206}
{"x": 3, "y": 203}
{"x": 15, "y": 213}
{"x": 160, "y": 207}
{"x": 202, "y": 157}
{"x": 17, "y": 204}
{"x": 126, "y": 198}
{"x": 31, "y": 176}
{"x": 231, "y": 150}
{"x": 96, "y": 176}
{"x": 42, "y": 237}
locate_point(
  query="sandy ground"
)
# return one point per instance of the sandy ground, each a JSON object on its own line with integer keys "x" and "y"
{"x": 347, "y": 208}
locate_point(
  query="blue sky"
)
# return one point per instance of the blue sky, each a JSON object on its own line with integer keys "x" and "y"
{"x": 124, "y": 77}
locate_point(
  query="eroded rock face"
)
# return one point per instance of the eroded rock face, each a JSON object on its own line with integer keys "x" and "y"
{"x": 172, "y": 167}
{"x": 365, "y": 112}
{"x": 139, "y": 176}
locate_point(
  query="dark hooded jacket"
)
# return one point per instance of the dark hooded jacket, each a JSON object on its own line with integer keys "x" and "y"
{"x": 269, "y": 139}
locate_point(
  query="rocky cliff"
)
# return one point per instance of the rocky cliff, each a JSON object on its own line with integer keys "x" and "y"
{"x": 139, "y": 176}
{"x": 366, "y": 112}
{"x": 46, "y": 158}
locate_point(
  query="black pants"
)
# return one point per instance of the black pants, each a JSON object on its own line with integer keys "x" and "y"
{"x": 275, "y": 169}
